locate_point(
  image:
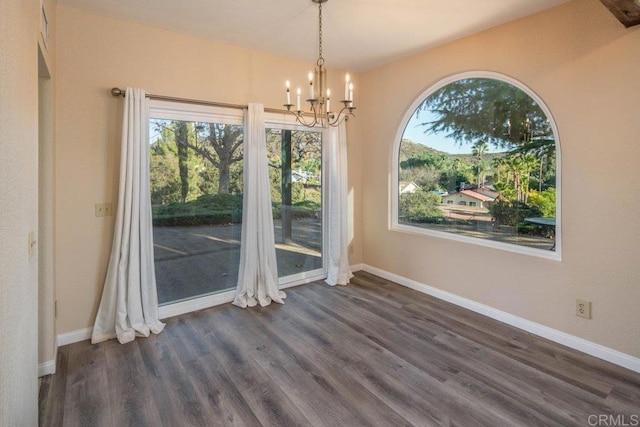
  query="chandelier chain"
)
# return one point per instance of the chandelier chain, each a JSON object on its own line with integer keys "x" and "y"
{"x": 320, "y": 58}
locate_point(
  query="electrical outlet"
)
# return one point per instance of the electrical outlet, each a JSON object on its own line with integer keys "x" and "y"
{"x": 583, "y": 308}
{"x": 103, "y": 209}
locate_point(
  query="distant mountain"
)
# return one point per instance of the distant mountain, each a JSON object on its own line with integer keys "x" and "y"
{"x": 409, "y": 149}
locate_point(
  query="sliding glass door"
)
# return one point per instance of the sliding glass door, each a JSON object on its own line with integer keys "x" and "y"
{"x": 196, "y": 194}
{"x": 196, "y": 184}
{"x": 295, "y": 174}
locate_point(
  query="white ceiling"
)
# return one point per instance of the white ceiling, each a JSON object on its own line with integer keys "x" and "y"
{"x": 358, "y": 35}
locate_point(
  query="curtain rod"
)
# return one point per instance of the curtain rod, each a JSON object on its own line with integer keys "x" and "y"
{"x": 119, "y": 92}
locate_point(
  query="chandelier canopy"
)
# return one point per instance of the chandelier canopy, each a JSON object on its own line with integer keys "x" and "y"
{"x": 320, "y": 112}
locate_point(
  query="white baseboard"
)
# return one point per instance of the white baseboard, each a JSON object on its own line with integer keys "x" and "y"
{"x": 75, "y": 336}
{"x": 47, "y": 368}
{"x": 571, "y": 341}
{"x": 357, "y": 267}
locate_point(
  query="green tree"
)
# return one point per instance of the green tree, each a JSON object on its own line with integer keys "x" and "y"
{"x": 545, "y": 201}
{"x": 478, "y": 151}
{"x": 306, "y": 155}
{"x": 506, "y": 212}
{"x": 489, "y": 110}
{"x": 181, "y": 134}
{"x": 169, "y": 147}
{"x": 454, "y": 173}
{"x": 218, "y": 144}
{"x": 221, "y": 145}
{"x": 421, "y": 206}
{"x": 425, "y": 169}
{"x": 499, "y": 166}
{"x": 164, "y": 180}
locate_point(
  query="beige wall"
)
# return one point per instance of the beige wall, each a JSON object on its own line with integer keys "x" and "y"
{"x": 586, "y": 67}
{"x": 19, "y": 211}
{"x": 95, "y": 54}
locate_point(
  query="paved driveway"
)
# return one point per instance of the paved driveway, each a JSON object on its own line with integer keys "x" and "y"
{"x": 199, "y": 260}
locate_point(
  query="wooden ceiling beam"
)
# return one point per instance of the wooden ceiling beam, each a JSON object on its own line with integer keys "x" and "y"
{"x": 627, "y": 11}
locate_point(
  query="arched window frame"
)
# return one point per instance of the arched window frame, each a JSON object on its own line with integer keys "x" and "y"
{"x": 394, "y": 223}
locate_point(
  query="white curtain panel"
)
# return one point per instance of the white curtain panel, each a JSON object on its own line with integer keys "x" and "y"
{"x": 129, "y": 304}
{"x": 339, "y": 271}
{"x": 258, "y": 273}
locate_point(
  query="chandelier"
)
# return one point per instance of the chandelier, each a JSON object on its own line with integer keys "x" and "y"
{"x": 320, "y": 112}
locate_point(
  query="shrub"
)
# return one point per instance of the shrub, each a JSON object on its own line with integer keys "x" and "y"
{"x": 511, "y": 213}
{"x": 208, "y": 209}
{"x": 421, "y": 206}
{"x": 545, "y": 201}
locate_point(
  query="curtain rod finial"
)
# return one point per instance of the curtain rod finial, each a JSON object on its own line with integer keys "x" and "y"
{"x": 117, "y": 91}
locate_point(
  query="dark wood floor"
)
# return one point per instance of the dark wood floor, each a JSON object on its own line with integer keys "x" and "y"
{"x": 370, "y": 354}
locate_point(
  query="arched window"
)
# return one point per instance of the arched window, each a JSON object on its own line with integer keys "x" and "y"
{"x": 477, "y": 160}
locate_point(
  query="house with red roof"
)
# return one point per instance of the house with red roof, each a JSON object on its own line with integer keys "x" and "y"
{"x": 469, "y": 198}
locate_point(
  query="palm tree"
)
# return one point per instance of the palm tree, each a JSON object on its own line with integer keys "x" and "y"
{"x": 499, "y": 164}
{"x": 529, "y": 164}
{"x": 515, "y": 169}
{"x": 478, "y": 150}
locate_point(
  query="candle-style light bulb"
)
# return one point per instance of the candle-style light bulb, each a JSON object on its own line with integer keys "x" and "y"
{"x": 311, "y": 85}
{"x": 351, "y": 93}
{"x": 298, "y": 100}
{"x": 288, "y": 93}
{"x": 328, "y": 100}
{"x": 347, "y": 79}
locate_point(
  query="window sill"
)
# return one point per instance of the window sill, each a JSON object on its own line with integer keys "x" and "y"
{"x": 555, "y": 255}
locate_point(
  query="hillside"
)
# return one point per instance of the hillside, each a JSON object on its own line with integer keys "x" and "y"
{"x": 409, "y": 149}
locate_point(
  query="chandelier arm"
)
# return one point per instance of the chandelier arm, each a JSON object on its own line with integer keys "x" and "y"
{"x": 340, "y": 117}
{"x": 300, "y": 119}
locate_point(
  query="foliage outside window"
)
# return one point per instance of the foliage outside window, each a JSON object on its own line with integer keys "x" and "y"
{"x": 477, "y": 158}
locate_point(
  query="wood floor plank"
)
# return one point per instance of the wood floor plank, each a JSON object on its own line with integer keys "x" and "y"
{"x": 373, "y": 353}
{"x": 549, "y": 394}
{"x": 515, "y": 411}
{"x": 267, "y": 401}
{"x": 394, "y": 379}
{"x": 175, "y": 396}
{"x": 226, "y": 404}
{"x": 87, "y": 389}
{"x": 130, "y": 392}
{"x": 51, "y": 405}
{"x": 493, "y": 334}
{"x": 350, "y": 378}
{"x": 387, "y": 331}
{"x": 295, "y": 375}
